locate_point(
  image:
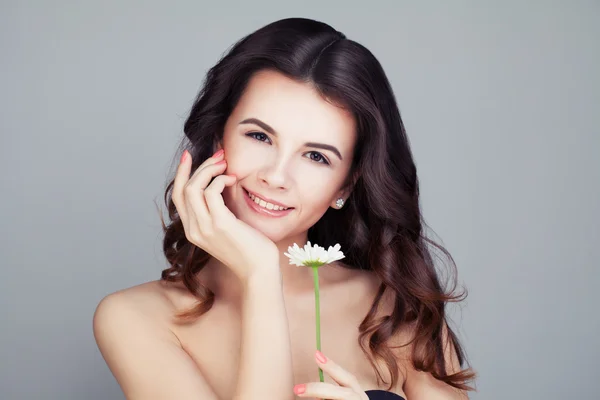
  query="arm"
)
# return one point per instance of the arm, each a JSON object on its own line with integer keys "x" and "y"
{"x": 265, "y": 369}
{"x": 147, "y": 360}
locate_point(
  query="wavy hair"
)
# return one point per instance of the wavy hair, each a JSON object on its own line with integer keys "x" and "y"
{"x": 381, "y": 229}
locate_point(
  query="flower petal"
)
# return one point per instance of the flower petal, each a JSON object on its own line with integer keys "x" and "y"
{"x": 313, "y": 255}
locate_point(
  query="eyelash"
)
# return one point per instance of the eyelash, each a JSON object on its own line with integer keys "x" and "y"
{"x": 254, "y": 134}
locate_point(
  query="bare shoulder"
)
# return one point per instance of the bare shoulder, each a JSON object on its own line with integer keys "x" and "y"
{"x": 417, "y": 385}
{"x": 132, "y": 331}
{"x": 420, "y": 385}
{"x": 146, "y": 305}
{"x": 156, "y": 300}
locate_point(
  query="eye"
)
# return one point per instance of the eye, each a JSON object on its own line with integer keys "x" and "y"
{"x": 318, "y": 157}
{"x": 314, "y": 155}
{"x": 260, "y": 136}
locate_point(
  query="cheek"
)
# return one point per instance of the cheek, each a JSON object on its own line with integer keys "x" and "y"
{"x": 239, "y": 161}
{"x": 318, "y": 187}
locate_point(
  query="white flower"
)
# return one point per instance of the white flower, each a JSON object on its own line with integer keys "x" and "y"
{"x": 313, "y": 256}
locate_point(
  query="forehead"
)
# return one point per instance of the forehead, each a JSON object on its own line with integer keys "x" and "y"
{"x": 295, "y": 110}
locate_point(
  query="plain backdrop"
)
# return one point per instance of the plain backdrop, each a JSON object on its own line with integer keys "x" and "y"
{"x": 501, "y": 101}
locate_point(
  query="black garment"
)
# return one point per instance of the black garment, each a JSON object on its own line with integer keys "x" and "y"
{"x": 383, "y": 395}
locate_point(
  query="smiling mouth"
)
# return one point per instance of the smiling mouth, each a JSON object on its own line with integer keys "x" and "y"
{"x": 265, "y": 204}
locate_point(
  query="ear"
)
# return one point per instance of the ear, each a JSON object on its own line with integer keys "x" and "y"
{"x": 344, "y": 193}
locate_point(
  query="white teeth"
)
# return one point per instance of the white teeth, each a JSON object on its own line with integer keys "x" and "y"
{"x": 265, "y": 204}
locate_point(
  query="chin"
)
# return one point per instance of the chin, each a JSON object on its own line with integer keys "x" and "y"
{"x": 275, "y": 235}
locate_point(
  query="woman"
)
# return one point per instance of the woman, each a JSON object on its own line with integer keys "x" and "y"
{"x": 295, "y": 137}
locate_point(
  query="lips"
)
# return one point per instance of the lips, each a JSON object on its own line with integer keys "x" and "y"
{"x": 263, "y": 211}
{"x": 267, "y": 200}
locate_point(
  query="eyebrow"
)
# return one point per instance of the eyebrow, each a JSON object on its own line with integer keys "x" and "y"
{"x": 272, "y": 131}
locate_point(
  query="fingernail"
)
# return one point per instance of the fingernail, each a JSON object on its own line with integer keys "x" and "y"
{"x": 183, "y": 156}
{"x": 218, "y": 153}
{"x": 220, "y": 162}
{"x": 299, "y": 389}
{"x": 320, "y": 357}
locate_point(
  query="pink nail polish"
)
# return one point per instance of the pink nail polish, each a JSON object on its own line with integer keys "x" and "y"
{"x": 320, "y": 357}
{"x": 183, "y": 156}
{"x": 218, "y": 153}
{"x": 299, "y": 389}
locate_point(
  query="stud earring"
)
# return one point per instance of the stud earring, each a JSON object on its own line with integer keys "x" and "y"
{"x": 339, "y": 203}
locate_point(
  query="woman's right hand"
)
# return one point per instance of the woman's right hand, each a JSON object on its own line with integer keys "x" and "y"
{"x": 210, "y": 225}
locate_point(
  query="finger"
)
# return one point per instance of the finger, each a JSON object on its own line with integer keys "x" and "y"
{"x": 337, "y": 373}
{"x": 177, "y": 196}
{"x": 195, "y": 187}
{"x": 193, "y": 232}
{"x": 214, "y": 199}
{"x": 324, "y": 390}
{"x": 182, "y": 178}
{"x": 217, "y": 158}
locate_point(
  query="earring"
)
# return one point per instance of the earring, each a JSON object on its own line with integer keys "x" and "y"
{"x": 339, "y": 203}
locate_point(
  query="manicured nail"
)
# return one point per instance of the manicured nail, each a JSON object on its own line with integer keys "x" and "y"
{"x": 299, "y": 389}
{"x": 183, "y": 156}
{"x": 320, "y": 357}
{"x": 218, "y": 153}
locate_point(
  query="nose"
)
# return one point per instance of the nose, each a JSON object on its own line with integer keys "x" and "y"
{"x": 274, "y": 174}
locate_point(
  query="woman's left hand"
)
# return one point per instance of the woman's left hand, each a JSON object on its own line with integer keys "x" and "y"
{"x": 348, "y": 388}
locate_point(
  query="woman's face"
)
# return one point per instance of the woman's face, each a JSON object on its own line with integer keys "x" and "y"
{"x": 286, "y": 144}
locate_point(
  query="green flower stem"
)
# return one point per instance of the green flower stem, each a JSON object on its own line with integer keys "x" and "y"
{"x": 318, "y": 315}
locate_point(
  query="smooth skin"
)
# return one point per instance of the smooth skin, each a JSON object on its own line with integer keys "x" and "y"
{"x": 257, "y": 341}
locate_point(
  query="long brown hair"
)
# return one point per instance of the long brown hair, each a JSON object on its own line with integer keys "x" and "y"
{"x": 380, "y": 229}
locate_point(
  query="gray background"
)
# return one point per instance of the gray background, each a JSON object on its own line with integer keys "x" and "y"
{"x": 501, "y": 101}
